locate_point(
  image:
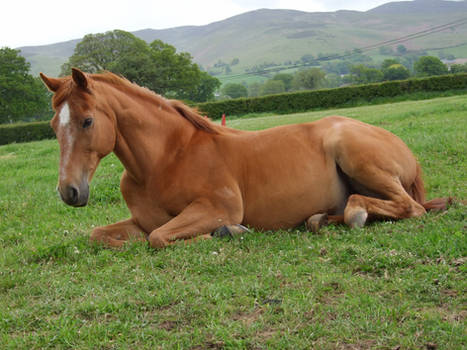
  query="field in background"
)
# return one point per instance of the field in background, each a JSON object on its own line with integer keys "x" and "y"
{"x": 392, "y": 284}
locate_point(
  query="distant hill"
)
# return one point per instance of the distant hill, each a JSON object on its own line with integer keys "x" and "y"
{"x": 279, "y": 35}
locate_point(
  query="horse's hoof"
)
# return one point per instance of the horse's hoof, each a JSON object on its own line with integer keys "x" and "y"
{"x": 315, "y": 222}
{"x": 358, "y": 219}
{"x": 229, "y": 231}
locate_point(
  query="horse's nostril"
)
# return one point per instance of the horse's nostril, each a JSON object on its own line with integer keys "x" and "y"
{"x": 73, "y": 194}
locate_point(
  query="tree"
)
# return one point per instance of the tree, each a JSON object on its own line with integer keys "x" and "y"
{"x": 430, "y": 65}
{"x": 254, "y": 89}
{"x": 233, "y": 90}
{"x": 458, "y": 68}
{"x": 396, "y": 72}
{"x": 388, "y": 62}
{"x": 99, "y": 52}
{"x": 156, "y": 66}
{"x": 173, "y": 74}
{"x": 272, "y": 87}
{"x": 22, "y": 97}
{"x": 362, "y": 74}
{"x": 308, "y": 79}
{"x": 204, "y": 91}
{"x": 234, "y": 62}
{"x": 286, "y": 79}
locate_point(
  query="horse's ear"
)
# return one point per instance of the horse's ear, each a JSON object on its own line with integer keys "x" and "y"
{"x": 79, "y": 78}
{"x": 53, "y": 84}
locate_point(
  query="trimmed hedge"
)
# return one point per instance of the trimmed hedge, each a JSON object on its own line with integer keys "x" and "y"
{"x": 282, "y": 103}
{"x": 25, "y": 132}
{"x": 326, "y": 98}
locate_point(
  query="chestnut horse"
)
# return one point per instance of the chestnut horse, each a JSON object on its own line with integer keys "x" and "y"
{"x": 186, "y": 177}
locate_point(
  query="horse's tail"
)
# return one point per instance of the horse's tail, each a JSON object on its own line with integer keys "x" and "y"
{"x": 417, "y": 192}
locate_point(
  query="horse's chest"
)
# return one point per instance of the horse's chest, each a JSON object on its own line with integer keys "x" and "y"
{"x": 144, "y": 205}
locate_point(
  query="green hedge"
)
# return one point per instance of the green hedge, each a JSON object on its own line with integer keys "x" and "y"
{"x": 25, "y": 132}
{"x": 282, "y": 103}
{"x": 306, "y": 100}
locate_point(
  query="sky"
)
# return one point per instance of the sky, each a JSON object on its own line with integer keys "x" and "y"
{"x": 41, "y": 22}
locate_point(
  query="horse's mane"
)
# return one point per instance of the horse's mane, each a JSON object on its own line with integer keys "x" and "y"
{"x": 190, "y": 114}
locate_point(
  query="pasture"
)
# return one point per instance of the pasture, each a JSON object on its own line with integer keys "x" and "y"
{"x": 392, "y": 285}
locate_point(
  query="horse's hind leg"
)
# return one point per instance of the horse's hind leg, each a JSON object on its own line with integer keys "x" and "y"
{"x": 395, "y": 203}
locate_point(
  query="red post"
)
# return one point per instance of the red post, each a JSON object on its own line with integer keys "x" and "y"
{"x": 223, "y": 120}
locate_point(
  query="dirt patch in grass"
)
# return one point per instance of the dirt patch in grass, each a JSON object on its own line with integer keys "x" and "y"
{"x": 168, "y": 325}
{"x": 247, "y": 318}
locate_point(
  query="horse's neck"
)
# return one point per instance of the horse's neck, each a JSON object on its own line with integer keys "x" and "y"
{"x": 148, "y": 135}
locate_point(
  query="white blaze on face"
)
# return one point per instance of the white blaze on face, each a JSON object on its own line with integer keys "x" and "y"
{"x": 67, "y": 143}
{"x": 64, "y": 115}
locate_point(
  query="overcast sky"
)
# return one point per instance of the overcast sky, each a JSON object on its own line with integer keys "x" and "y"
{"x": 40, "y": 22}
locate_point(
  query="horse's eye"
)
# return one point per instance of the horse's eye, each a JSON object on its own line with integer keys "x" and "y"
{"x": 87, "y": 123}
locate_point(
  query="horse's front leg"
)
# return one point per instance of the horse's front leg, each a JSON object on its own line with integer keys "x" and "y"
{"x": 196, "y": 221}
{"x": 116, "y": 235}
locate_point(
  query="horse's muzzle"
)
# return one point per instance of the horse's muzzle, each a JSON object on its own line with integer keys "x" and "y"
{"x": 74, "y": 195}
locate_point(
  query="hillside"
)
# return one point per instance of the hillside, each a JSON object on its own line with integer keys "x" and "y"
{"x": 278, "y": 35}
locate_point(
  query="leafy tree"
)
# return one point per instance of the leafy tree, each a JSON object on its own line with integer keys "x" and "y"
{"x": 254, "y": 89}
{"x": 458, "y": 68}
{"x": 99, "y": 52}
{"x": 388, "y": 62}
{"x": 157, "y": 66}
{"x": 286, "y": 80}
{"x": 362, "y": 74}
{"x": 22, "y": 97}
{"x": 396, "y": 72}
{"x": 309, "y": 79}
{"x": 204, "y": 91}
{"x": 234, "y": 62}
{"x": 172, "y": 74}
{"x": 430, "y": 65}
{"x": 233, "y": 90}
{"x": 272, "y": 87}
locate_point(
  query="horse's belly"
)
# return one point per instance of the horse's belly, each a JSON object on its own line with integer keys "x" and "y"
{"x": 296, "y": 199}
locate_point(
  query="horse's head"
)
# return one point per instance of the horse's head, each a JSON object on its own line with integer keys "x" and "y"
{"x": 85, "y": 133}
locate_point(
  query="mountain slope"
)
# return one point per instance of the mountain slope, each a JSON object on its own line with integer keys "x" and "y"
{"x": 279, "y": 35}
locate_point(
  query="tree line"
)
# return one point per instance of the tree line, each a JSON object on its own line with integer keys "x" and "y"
{"x": 314, "y": 78}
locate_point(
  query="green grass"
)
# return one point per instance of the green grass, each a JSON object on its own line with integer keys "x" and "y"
{"x": 391, "y": 284}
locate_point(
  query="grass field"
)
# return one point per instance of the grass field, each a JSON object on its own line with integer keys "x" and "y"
{"x": 392, "y": 285}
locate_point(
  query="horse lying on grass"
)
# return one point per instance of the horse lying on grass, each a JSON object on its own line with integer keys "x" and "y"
{"x": 187, "y": 178}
